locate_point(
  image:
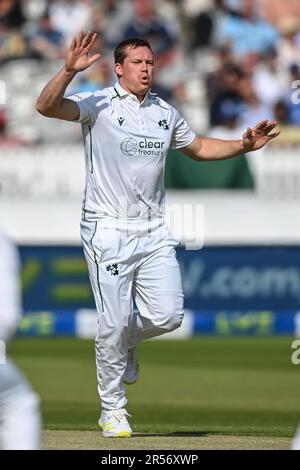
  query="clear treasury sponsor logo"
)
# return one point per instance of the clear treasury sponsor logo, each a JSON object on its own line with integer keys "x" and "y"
{"x": 144, "y": 147}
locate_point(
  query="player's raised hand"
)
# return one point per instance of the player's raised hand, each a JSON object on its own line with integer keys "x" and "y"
{"x": 260, "y": 135}
{"x": 77, "y": 57}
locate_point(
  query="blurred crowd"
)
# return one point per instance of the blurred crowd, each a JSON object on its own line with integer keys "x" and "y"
{"x": 245, "y": 54}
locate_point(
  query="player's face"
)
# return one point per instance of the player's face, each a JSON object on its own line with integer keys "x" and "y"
{"x": 136, "y": 72}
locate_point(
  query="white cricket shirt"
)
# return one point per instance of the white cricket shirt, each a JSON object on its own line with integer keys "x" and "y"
{"x": 126, "y": 143}
{"x": 10, "y": 291}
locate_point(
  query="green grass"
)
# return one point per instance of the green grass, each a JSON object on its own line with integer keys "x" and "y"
{"x": 197, "y": 387}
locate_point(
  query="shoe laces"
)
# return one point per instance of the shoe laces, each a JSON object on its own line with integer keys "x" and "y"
{"x": 119, "y": 414}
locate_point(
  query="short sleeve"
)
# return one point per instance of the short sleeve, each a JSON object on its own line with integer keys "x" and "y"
{"x": 87, "y": 103}
{"x": 183, "y": 135}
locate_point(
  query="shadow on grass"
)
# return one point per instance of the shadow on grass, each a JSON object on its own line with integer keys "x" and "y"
{"x": 174, "y": 434}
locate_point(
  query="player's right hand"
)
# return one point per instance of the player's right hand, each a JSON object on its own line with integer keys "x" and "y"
{"x": 77, "y": 57}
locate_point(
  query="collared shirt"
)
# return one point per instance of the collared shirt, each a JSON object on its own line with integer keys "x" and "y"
{"x": 126, "y": 143}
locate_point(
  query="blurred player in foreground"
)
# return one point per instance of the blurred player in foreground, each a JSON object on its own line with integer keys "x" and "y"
{"x": 19, "y": 405}
{"x": 296, "y": 440}
{"x": 127, "y": 132}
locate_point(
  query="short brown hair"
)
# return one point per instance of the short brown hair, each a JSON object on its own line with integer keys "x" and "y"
{"x": 120, "y": 50}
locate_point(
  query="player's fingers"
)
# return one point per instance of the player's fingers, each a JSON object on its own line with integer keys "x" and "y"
{"x": 86, "y": 39}
{"x": 92, "y": 41}
{"x": 79, "y": 39}
{"x": 94, "y": 58}
{"x": 248, "y": 133}
{"x": 73, "y": 44}
{"x": 271, "y": 124}
{"x": 261, "y": 124}
{"x": 275, "y": 134}
{"x": 268, "y": 128}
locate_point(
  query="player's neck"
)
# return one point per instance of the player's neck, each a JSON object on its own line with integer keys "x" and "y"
{"x": 140, "y": 97}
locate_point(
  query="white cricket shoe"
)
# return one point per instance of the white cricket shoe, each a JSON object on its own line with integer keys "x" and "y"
{"x": 114, "y": 423}
{"x": 132, "y": 369}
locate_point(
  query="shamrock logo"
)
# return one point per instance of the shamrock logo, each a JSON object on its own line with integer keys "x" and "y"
{"x": 113, "y": 269}
{"x": 163, "y": 124}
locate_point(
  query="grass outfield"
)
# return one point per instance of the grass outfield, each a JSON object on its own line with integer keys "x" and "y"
{"x": 190, "y": 391}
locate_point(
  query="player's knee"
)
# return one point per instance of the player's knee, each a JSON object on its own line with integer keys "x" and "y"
{"x": 175, "y": 321}
{"x": 170, "y": 317}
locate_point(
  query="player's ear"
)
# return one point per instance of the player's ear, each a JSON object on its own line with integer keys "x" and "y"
{"x": 119, "y": 70}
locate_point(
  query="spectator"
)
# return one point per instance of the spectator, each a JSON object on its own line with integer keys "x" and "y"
{"x": 267, "y": 79}
{"x": 223, "y": 85}
{"x": 289, "y": 133}
{"x": 204, "y": 24}
{"x": 247, "y": 33}
{"x": 252, "y": 109}
{"x": 289, "y": 45}
{"x": 11, "y": 14}
{"x": 281, "y": 113}
{"x": 112, "y": 18}
{"x": 46, "y": 42}
{"x": 34, "y": 9}
{"x": 12, "y": 42}
{"x": 230, "y": 111}
{"x": 5, "y": 138}
{"x": 70, "y": 16}
{"x": 147, "y": 25}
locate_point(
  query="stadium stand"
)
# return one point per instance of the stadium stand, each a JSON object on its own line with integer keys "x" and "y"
{"x": 200, "y": 68}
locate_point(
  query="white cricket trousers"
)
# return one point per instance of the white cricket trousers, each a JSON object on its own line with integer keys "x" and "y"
{"x": 20, "y": 421}
{"x": 130, "y": 260}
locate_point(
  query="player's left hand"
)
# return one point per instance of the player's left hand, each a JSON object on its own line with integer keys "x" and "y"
{"x": 260, "y": 135}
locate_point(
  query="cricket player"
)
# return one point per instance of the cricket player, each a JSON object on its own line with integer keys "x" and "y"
{"x": 19, "y": 405}
{"x": 127, "y": 132}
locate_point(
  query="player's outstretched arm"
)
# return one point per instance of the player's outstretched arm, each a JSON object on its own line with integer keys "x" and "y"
{"x": 215, "y": 149}
{"x": 51, "y": 102}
